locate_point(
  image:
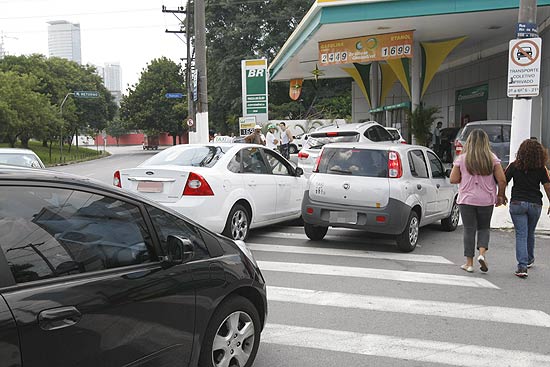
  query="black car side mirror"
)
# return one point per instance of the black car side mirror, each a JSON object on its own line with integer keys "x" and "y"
{"x": 298, "y": 171}
{"x": 178, "y": 250}
{"x": 448, "y": 172}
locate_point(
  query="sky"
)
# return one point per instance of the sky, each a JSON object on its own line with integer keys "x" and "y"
{"x": 130, "y": 32}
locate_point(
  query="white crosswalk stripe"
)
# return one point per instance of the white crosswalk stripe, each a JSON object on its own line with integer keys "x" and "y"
{"x": 404, "y": 276}
{"x": 402, "y": 348}
{"x": 410, "y": 306}
{"x": 349, "y": 253}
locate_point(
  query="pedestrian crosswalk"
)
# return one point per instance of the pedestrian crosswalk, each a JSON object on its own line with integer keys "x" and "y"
{"x": 304, "y": 286}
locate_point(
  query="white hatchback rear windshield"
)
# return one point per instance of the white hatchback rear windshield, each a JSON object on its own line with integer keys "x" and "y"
{"x": 205, "y": 156}
{"x": 354, "y": 162}
{"x": 317, "y": 140}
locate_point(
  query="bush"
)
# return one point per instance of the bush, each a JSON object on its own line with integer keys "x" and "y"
{"x": 421, "y": 121}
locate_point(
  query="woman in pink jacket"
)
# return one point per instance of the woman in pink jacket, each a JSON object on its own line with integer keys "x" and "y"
{"x": 478, "y": 172}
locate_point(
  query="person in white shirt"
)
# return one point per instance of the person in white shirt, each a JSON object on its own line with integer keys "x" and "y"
{"x": 271, "y": 138}
{"x": 286, "y": 138}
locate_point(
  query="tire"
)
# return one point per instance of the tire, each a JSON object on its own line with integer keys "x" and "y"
{"x": 315, "y": 233}
{"x": 450, "y": 223}
{"x": 238, "y": 223}
{"x": 233, "y": 332}
{"x": 292, "y": 149}
{"x": 406, "y": 241}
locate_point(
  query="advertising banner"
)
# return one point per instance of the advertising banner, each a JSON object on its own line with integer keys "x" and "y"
{"x": 246, "y": 125}
{"x": 254, "y": 89}
{"x": 378, "y": 47}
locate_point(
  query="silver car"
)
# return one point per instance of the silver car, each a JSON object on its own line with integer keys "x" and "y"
{"x": 391, "y": 189}
{"x": 20, "y": 157}
{"x": 499, "y": 138}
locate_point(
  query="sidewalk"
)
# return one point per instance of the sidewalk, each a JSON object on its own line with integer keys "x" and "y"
{"x": 501, "y": 216}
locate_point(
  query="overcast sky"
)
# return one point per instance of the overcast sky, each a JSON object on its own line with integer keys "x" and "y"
{"x": 131, "y": 32}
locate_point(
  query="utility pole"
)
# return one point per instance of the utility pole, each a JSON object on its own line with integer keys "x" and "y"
{"x": 521, "y": 107}
{"x": 61, "y": 128}
{"x": 185, "y": 28}
{"x": 201, "y": 135}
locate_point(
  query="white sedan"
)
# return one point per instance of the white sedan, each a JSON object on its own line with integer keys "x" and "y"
{"x": 227, "y": 188}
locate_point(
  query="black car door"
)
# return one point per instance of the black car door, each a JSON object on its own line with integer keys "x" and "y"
{"x": 88, "y": 289}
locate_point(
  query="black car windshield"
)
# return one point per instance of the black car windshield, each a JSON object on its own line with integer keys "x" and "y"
{"x": 354, "y": 162}
{"x": 203, "y": 156}
{"x": 316, "y": 141}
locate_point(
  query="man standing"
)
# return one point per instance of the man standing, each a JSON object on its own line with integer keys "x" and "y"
{"x": 436, "y": 139}
{"x": 271, "y": 140}
{"x": 255, "y": 137}
{"x": 286, "y": 139}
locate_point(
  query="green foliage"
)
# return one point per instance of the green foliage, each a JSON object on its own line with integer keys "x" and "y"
{"x": 421, "y": 121}
{"x": 116, "y": 129}
{"x": 146, "y": 106}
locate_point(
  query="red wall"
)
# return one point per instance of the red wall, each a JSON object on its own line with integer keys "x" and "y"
{"x": 137, "y": 139}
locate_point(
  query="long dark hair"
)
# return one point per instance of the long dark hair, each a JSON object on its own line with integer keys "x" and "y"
{"x": 530, "y": 155}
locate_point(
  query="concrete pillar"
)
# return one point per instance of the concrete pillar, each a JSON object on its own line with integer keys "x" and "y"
{"x": 416, "y": 70}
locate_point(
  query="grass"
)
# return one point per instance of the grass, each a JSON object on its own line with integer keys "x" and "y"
{"x": 83, "y": 154}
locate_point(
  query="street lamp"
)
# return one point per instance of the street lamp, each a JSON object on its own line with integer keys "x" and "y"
{"x": 61, "y": 128}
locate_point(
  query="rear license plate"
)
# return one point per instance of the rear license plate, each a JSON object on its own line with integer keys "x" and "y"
{"x": 149, "y": 186}
{"x": 343, "y": 217}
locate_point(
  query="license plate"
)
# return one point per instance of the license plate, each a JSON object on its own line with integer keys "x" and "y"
{"x": 149, "y": 186}
{"x": 343, "y": 217}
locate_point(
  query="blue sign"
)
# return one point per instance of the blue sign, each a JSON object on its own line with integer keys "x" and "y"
{"x": 174, "y": 95}
{"x": 526, "y": 30}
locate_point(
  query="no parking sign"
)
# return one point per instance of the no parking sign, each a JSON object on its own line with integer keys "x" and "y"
{"x": 524, "y": 67}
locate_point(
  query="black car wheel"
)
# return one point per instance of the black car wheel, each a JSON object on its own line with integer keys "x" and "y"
{"x": 238, "y": 223}
{"x": 450, "y": 223}
{"x": 233, "y": 335}
{"x": 406, "y": 241}
{"x": 315, "y": 233}
{"x": 292, "y": 149}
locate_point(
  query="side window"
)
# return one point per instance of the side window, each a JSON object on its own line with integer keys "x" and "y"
{"x": 378, "y": 133}
{"x": 417, "y": 164}
{"x": 48, "y": 232}
{"x": 167, "y": 224}
{"x": 252, "y": 161}
{"x": 436, "y": 166}
{"x": 235, "y": 163}
{"x": 506, "y": 133}
{"x": 278, "y": 167}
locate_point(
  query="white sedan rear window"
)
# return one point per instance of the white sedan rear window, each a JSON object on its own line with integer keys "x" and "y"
{"x": 205, "y": 156}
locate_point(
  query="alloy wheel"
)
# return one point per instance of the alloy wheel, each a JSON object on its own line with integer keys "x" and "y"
{"x": 455, "y": 215}
{"x": 413, "y": 231}
{"x": 239, "y": 225}
{"x": 234, "y": 341}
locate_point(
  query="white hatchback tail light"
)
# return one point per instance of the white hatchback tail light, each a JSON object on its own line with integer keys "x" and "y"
{"x": 116, "y": 179}
{"x": 395, "y": 169}
{"x": 458, "y": 147}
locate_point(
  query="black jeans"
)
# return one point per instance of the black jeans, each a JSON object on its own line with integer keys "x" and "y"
{"x": 284, "y": 151}
{"x": 476, "y": 221}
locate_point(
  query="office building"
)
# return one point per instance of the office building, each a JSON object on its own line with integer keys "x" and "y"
{"x": 64, "y": 40}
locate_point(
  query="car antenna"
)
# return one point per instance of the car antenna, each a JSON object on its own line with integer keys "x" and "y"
{"x": 336, "y": 122}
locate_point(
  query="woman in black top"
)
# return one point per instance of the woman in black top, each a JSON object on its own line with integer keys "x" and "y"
{"x": 528, "y": 171}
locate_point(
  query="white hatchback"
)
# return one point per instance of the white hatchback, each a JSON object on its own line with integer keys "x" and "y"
{"x": 20, "y": 157}
{"x": 391, "y": 189}
{"x": 370, "y": 131}
{"x": 227, "y": 188}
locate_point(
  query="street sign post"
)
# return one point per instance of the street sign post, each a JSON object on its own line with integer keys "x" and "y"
{"x": 86, "y": 94}
{"x": 524, "y": 67}
{"x": 174, "y": 95}
{"x": 526, "y": 30}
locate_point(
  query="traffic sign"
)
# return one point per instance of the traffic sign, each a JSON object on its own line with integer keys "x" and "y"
{"x": 86, "y": 94}
{"x": 524, "y": 67}
{"x": 526, "y": 30}
{"x": 190, "y": 122}
{"x": 174, "y": 95}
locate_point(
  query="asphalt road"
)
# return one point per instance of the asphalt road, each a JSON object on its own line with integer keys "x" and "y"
{"x": 354, "y": 300}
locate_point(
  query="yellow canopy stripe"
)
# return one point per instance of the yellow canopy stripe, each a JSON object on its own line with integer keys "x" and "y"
{"x": 360, "y": 73}
{"x": 388, "y": 79}
{"x": 433, "y": 55}
{"x": 401, "y": 69}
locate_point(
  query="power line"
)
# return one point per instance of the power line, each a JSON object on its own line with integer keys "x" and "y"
{"x": 75, "y": 14}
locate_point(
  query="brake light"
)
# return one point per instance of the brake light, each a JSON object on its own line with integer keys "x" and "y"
{"x": 196, "y": 185}
{"x": 403, "y": 142}
{"x": 303, "y": 155}
{"x": 395, "y": 170}
{"x": 458, "y": 147}
{"x": 116, "y": 179}
{"x": 316, "y": 167}
{"x": 332, "y": 133}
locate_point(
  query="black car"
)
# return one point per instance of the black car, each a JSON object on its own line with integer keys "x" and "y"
{"x": 91, "y": 275}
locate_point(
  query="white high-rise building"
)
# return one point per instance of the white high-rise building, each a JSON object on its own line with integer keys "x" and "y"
{"x": 64, "y": 40}
{"x": 112, "y": 79}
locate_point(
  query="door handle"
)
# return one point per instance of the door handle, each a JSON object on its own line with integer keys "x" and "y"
{"x": 419, "y": 187}
{"x": 58, "y": 318}
{"x": 251, "y": 183}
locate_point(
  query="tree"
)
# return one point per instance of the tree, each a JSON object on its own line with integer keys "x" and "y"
{"x": 146, "y": 106}
{"x": 420, "y": 122}
{"x": 23, "y": 112}
{"x": 116, "y": 128}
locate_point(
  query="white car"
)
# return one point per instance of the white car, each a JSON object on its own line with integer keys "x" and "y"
{"x": 396, "y": 135}
{"x": 227, "y": 188}
{"x": 369, "y": 131}
{"x": 20, "y": 157}
{"x": 391, "y": 189}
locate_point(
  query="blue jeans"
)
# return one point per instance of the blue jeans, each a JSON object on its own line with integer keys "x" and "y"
{"x": 525, "y": 216}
